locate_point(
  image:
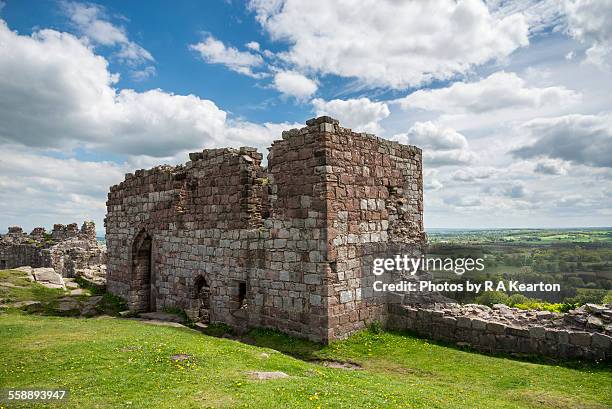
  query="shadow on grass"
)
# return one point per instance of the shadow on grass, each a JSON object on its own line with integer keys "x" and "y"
{"x": 312, "y": 352}
{"x": 577, "y": 364}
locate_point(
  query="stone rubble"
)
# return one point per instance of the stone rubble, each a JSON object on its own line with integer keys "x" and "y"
{"x": 585, "y": 332}
{"x": 68, "y": 250}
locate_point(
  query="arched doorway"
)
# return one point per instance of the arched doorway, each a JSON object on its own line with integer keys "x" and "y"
{"x": 201, "y": 295}
{"x": 142, "y": 266}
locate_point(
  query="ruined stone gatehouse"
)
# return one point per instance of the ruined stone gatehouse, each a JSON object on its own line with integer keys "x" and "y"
{"x": 67, "y": 249}
{"x": 287, "y": 246}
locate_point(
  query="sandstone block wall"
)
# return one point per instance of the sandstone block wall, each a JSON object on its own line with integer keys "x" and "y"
{"x": 66, "y": 248}
{"x": 581, "y": 334}
{"x": 283, "y": 246}
{"x": 374, "y": 195}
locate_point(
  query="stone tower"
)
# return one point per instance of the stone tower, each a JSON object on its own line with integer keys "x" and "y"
{"x": 289, "y": 246}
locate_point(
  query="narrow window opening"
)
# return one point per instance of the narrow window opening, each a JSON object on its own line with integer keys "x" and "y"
{"x": 242, "y": 291}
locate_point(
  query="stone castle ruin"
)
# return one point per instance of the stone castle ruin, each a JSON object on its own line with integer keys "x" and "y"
{"x": 291, "y": 246}
{"x": 67, "y": 249}
{"x": 287, "y": 246}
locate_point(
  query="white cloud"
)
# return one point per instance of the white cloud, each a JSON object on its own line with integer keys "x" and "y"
{"x": 252, "y": 45}
{"x": 500, "y": 90}
{"x": 515, "y": 190}
{"x": 294, "y": 84}
{"x": 582, "y": 139}
{"x": 58, "y": 94}
{"x": 91, "y": 22}
{"x": 540, "y": 15}
{"x": 143, "y": 74}
{"x": 360, "y": 114}
{"x": 430, "y": 180}
{"x": 441, "y": 146}
{"x": 551, "y": 167}
{"x": 37, "y": 190}
{"x": 462, "y": 201}
{"x": 214, "y": 51}
{"x": 473, "y": 174}
{"x": 390, "y": 43}
{"x": 429, "y": 135}
{"x": 589, "y": 22}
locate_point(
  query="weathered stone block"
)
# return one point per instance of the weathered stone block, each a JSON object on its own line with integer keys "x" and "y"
{"x": 537, "y": 332}
{"x": 580, "y": 338}
{"x": 464, "y": 322}
{"x": 601, "y": 341}
{"x": 496, "y": 328}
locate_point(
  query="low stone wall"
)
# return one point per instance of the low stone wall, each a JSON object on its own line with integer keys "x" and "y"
{"x": 505, "y": 330}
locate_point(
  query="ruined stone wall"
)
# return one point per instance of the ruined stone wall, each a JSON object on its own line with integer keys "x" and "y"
{"x": 297, "y": 239}
{"x": 16, "y": 255}
{"x": 206, "y": 220}
{"x": 374, "y": 194}
{"x": 66, "y": 249}
{"x": 299, "y": 236}
{"x": 194, "y": 215}
{"x": 585, "y": 333}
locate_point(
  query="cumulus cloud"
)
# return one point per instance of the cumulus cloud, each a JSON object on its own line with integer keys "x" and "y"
{"x": 501, "y": 90}
{"x": 431, "y": 181}
{"x": 90, "y": 20}
{"x": 582, "y": 139}
{"x": 58, "y": 95}
{"x": 441, "y": 146}
{"x": 40, "y": 190}
{"x": 551, "y": 167}
{"x": 473, "y": 174}
{"x": 462, "y": 201}
{"x": 143, "y": 74}
{"x": 429, "y": 135}
{"x": 390, "y": 43}
{"x": 240, "y": 133}
{"x": 515, "y": 190}
{"x": 74, "y": 103}
{"x": 540, "y": 15}
{"x": 294, "y": 84}
{"x": 252, "y": 45}
{"x": 589, "y": 21}
{"x": 361, "y": 114}
{"x": 214, "y": 51}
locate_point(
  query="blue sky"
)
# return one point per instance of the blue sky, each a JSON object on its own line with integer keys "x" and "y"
{"x": 166, "y": 31}
{"x": 510, "y": 100}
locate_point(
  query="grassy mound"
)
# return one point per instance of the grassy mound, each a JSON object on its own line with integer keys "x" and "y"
{"x": 110, "y": 362}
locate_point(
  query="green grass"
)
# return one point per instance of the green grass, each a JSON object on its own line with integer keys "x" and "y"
{"x": 109, "y": 362}
{"x": 24, "y": 289}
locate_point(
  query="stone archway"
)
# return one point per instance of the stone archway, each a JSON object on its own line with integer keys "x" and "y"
{"x": 201, "y": 296}
{"x": 142, "y": 272}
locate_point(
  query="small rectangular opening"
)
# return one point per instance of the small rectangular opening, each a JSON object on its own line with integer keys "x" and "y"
{"x": 242, "y": 290}
{"x": 2, "y": 264}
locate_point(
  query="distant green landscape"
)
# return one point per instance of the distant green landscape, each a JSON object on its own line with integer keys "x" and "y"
{"x": 579, "y": 259}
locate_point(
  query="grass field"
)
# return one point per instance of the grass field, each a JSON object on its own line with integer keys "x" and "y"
{"x": 116, "y": 363}
{"x": 108, "y": 362}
